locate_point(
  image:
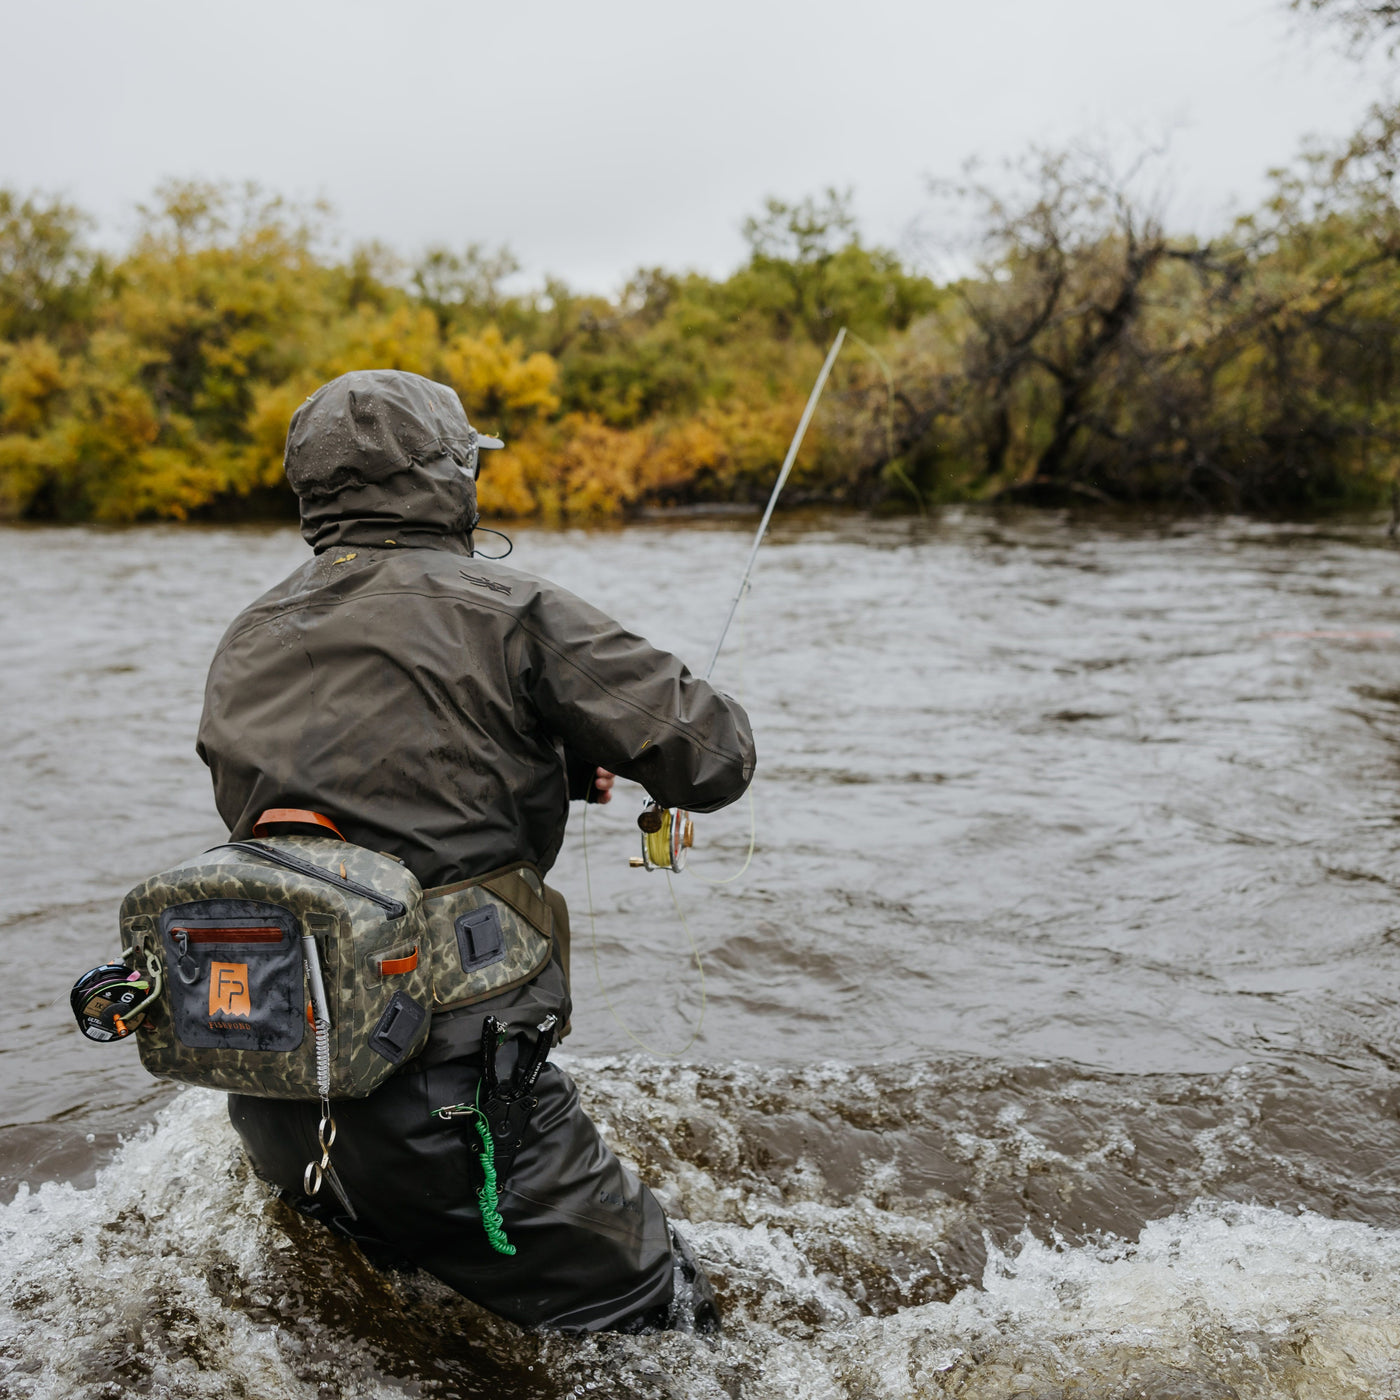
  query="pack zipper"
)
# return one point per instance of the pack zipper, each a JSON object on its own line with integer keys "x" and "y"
{"x": 229, "y": 935}
{"x": 393, "y": 907}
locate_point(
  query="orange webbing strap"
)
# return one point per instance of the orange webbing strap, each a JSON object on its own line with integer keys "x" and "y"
{"x": 392, "y": 967}
{"x": 282, "y": 816}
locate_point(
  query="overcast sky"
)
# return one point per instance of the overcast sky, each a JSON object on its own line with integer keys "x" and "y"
{"x": 597, "y": 137}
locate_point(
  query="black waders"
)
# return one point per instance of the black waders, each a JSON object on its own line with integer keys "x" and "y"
{"x": 593, "y": 1249}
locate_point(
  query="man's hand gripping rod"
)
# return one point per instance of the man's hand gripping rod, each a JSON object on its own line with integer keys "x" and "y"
{"x": 668, "y": 833}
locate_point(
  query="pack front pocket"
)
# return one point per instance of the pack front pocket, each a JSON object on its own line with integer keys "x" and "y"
{"x": 234, "y": 973}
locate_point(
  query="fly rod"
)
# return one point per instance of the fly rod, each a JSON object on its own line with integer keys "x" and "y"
{"x": 777, "y": 489}
{"x": 668, "y": 834}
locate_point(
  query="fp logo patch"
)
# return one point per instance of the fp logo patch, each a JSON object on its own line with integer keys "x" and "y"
{"x": 228, "y": 990}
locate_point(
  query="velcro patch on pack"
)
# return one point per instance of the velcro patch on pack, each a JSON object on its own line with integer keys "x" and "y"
{"x": 398, "y": 1028}
{"x": 481, "y": 940}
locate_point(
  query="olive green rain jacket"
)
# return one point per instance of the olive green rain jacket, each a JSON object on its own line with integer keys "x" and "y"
{"x": 436, "y": 704}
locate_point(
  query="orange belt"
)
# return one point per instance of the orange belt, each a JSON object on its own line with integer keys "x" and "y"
{"x": 292, "y": 816}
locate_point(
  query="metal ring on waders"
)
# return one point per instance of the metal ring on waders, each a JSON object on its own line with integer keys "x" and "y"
{"x": 315, "y": 1172}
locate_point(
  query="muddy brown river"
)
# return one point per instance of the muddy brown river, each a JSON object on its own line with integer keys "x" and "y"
{"x": 1050, "y": 1038}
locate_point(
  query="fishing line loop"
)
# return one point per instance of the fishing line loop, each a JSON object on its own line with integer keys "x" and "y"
{"x": 741, "y": 646}
{"x": 598, "y": 970}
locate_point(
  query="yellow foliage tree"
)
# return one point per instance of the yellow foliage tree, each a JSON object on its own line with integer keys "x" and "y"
{"x": 31, "y": 377}
{"x": 405, "y": 338}
{"x": 595, "y": 470}
{"x": 510, "y": 481}
{"x": 32, "y": 380}
{"x": 500, "y": 385}
{"x": 509, "y": 392}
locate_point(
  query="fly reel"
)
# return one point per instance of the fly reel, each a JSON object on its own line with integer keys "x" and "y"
{"x": 667, "y": 834}
{"x": 110, "y": 1001}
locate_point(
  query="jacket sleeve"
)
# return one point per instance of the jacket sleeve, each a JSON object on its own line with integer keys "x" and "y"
{"x": 611, "y": 696}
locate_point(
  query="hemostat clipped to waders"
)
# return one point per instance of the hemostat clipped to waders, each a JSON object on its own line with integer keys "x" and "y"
{"x": 501, "y": 1113}
{"x": 668, "y": 833}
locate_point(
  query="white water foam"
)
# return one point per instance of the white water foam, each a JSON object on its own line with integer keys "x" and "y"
{"x": 161, "y": 1280}
{"x": 92, "y": 1278}
{"x": 1222, "y": 1299}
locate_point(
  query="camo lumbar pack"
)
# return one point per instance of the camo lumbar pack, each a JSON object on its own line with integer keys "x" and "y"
{"x": 239, "y": 933}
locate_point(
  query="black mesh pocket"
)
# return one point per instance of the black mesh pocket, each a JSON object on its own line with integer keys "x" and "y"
{"x": 234, "y": 974}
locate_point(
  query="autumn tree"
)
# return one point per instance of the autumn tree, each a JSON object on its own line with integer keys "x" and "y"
{"x": 809, "y": 273}
{"x": 1057, "y": 334}
{"x": 463, "y": 288}
{"x": 47, "y": 270}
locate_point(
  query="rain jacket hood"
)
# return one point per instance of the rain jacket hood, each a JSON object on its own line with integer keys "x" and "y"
{"x": 377, "y": 457}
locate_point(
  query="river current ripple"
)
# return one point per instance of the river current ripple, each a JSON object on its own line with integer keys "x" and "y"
{"x": 1050, "y": 1039}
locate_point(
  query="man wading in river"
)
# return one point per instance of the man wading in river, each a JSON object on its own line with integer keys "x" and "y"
{"x": 443, "y": 709}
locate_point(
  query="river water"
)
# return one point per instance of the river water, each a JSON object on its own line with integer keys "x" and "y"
{"x": 1049, "y": 1040}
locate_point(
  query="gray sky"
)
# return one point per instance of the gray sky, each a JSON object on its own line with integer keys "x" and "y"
{"x": 594, "y": 138}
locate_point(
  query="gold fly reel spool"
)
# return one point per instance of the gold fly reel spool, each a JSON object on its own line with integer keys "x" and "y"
{"x": 667, "y": 834}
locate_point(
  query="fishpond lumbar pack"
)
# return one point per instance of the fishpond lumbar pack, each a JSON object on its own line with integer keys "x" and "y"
{"x": 299, "y": 966}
